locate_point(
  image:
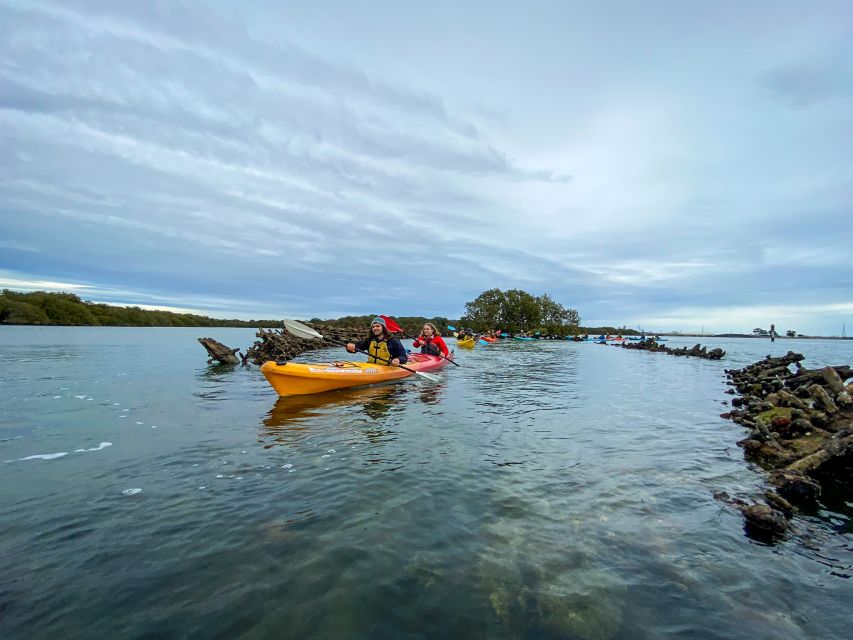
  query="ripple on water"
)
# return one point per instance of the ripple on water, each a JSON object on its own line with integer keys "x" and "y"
{"x": 544, "y": 490}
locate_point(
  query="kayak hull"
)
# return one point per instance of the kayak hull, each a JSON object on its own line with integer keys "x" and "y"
{"x": 466, "y": 344}
{"x": 301, "y": 378}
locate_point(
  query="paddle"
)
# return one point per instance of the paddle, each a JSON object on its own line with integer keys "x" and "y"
{"x": 302, "y": 331}
{"x": 450, "y": 327}
{"x": 396, "y": 328}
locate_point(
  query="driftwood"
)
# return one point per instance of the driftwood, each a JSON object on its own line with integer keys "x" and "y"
{"x": 801, "y": 429}
{"x": 218, "y": 352}
{"x": 696, "y": 352}
{"x": 280, "y": 346}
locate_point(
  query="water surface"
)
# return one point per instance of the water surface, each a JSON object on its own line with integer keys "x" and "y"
{"x": 541, "y": 490}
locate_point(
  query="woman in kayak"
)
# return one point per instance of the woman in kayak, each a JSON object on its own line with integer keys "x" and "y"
{"x": 381, "y": 346}
{"x": 431, "y": 342}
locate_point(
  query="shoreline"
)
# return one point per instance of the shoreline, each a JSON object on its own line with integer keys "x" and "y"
{"x": 275, "y": 325}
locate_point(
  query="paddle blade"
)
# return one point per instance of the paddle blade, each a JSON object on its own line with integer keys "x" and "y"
{"x": 450, "y": 327}
{"x": 300, "y": 330}
{"x": 428, "y": 376}
{"x": 391, "y": 324}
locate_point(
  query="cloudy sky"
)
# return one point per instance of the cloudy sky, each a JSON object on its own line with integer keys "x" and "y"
{"x": 670, "y": 165}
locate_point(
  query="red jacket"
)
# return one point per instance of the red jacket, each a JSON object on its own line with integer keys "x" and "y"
{"x": 436, "y": 340}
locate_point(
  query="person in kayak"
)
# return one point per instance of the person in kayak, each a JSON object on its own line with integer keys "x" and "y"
{"x": 380, "y": 345}
{"x": 431, "y": 342}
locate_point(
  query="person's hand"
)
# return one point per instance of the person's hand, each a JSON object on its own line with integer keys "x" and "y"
{"x": 395, "y": 361}
{"x": 350, "y": 347}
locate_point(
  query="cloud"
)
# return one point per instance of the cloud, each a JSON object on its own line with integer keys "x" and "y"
{"x": 800, "y": 85}
{"x": 167, "y": 153}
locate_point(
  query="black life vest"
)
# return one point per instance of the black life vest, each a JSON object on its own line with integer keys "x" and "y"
{"x": 430, "y": 348}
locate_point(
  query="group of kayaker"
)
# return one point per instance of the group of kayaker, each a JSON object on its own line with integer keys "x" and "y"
{"x": 382, "y": 347}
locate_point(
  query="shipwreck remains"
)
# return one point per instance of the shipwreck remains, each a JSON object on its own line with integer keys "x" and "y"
{"x": 279, "y": 345}
{"x": 697, "y": 352}
{"x": 218, "y": 352}
{"x": 800, "y": 429}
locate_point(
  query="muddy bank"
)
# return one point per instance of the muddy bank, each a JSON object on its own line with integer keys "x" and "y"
{"x": 800, "y": 425}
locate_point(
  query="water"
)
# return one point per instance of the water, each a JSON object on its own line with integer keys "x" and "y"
{"x": 541, "y": 490}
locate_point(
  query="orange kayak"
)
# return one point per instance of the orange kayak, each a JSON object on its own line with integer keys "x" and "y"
{"x": 299, "y": 378}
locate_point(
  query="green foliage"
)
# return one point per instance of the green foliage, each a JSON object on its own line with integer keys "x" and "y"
{"x": 486, "y": 311}
{"x": 522, "y": 312}
{"x": 40, "y": 307}
{"x": 555, "y": 317}
{"x": 16, "y": 312}
{"x": 515, "y": 311}
{"x": 611, "y": 331}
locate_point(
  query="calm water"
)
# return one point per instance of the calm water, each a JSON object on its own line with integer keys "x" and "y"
{"x": 542, "y": 490}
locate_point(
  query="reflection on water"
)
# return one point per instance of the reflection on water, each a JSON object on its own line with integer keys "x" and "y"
{"x": 292, "y": 419}
{"x": 540, "y": 490}
{"x": 375, "y": 401}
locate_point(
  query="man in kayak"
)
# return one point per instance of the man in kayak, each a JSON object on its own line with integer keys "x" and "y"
{"x": 381, "y": 346}
{"x": 430, "y": 341}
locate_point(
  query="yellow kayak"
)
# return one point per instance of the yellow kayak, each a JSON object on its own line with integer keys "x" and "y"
{"x": 299, "y": 378}
{"x": 467, "y": 343}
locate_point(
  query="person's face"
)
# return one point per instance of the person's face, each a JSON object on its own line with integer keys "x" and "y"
{"x": 376, "y": 328}
{"x": 427, "y": 331}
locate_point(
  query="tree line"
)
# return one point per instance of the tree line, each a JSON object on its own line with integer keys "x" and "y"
{"x": 68, "y": 309}
{"x": 44, "y": 308}
{"x": 513, "y": 311}
{"x": 516, "y": 311}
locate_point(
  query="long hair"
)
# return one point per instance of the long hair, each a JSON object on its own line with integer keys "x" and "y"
{"x": 385, "y": 334}
{"x": 431, "y": 326}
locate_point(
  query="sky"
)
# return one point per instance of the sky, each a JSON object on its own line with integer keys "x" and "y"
{"x": 671, "y": 166}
